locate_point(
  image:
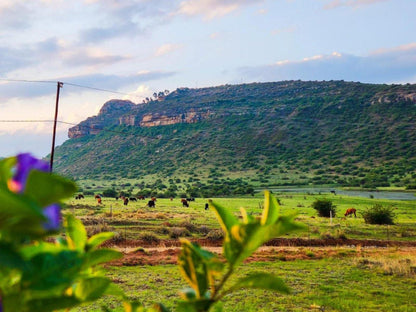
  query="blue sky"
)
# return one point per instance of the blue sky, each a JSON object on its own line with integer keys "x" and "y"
{"x": 137, "y": 47}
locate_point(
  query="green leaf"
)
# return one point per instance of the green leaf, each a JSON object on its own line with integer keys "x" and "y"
{"x": 224, "y": 216}
{"x": 99, "y": 256}
{"x": 246, "y": 238}
{"x": 194, "y": 306}
{"x": 19, "y": 216}
{"x": 97, "y": 239}
{"x": 261, "y": 281}
{"x": 41, "y": 247}
{"x": 198, "y": 267}
{"x": 46, "y": 188}
{"x": 6, "y": 172}
{"x": 52, "y": 303}
{"x": 49, "y": 271}
{"x": 77, "y": 235}
{"x": 271, "y": 209}
{"x": 91, "y": 288}
{"x": 115, "y": 290}
{"x": 227, "y": 221}
{"x": 134, "y": 306}
{"x": 158, "y": 307}
{"x": 10, "y": 258}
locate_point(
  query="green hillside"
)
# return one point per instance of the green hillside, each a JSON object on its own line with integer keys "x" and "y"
{"x": 281, "y": 133}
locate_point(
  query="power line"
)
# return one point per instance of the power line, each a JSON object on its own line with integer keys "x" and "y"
{"x": 94, "y": 88}
{"x": 25, "y": 80}
{"x": 65, "y": 83}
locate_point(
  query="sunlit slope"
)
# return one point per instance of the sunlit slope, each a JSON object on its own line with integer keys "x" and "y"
{"x": 289, "y": 132}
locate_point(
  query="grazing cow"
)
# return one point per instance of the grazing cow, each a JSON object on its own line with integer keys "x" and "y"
{"x": 141, "y": 197}
{"x": 185, "y": 203}
{"x": 99, "y": 200}
{"x": 151, "y": 204}
{"x": 125, "y": 201}
{"x": 133, "y": 199}
{"x": 333, "y": 192}
{"x": 351, "y": 211}
{"x": 79, "y": 196}
{"x": 206, "y": 206}
{"x": 190, "y": 199}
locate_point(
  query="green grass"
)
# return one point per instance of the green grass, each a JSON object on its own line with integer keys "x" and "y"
{"x": 136, "y": 217}
{"x": 332, "y": 284}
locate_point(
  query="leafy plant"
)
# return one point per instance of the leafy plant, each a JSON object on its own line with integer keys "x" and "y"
{"x": 325, "y": 207}
{"x": 37, "y": 274}
{"x": 379, "y": 215}
{"x": 42, "y": 272}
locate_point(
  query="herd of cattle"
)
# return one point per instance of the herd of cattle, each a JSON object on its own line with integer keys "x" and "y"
{"x": 185, "y": 202}
{"x": 151, "y": 203}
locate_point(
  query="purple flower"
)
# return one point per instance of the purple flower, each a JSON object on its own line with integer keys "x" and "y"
{"x": 25, "y": 163}
{"x": 53, "y": 216}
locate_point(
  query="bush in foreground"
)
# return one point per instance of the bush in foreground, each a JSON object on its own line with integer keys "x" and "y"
{"x": 41, "y": 270}
{"x": 379, "y": 215}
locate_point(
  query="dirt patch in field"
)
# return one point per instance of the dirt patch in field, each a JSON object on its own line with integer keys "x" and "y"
{"x": 290, "y": 242}
{"x": 167, "y": 252}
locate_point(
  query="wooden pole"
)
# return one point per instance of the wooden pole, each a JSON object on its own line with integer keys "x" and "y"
{"x": 58, "y": 87}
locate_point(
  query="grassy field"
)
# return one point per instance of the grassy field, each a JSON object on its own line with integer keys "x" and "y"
{"x": 348, "y": 281}
{"x": 133, "y": 220}
{"x": 321, "y": 278}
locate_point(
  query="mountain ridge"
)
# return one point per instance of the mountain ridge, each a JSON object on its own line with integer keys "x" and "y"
{"x": 277, "y": 132}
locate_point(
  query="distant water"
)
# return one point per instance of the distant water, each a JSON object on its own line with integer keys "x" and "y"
{"x": 367, "y": 194}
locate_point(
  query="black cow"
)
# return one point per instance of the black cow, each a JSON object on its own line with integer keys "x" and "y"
{"x": 206, "y": 206}
{"x": 133, "y": 199}
{"x": 79, "y": 196}
{"x": 125, "y": 201}
{"x": 190, "y": 199}
{"x": 151, "y": 204}
{"x": 185, "y": 203}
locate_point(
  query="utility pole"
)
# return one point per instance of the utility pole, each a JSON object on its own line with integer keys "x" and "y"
{"x": 58, "y": 87}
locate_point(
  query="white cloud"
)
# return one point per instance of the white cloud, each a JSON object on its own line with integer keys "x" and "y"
{"x": 395, "y": 65}
{"x": 211, "y": 8}
{"x": 333, "y": 4}
{"x": 139, "y": 94}
{"x": 167, "y": 48}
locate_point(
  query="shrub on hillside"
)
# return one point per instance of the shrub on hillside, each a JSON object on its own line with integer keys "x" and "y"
{"x": 379, "y": 215}
{"x": 324, "y": 207}
{"x": 177, "y": 232}
{"x": 110, "y": 193}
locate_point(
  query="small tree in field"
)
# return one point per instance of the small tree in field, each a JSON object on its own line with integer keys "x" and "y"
{"x": 324, "y": 207}
{"x": 379, "y": 215}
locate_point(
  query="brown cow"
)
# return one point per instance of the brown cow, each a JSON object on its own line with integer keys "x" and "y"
{"x": 99, "y": 200}
{"x": 351, "y": 211}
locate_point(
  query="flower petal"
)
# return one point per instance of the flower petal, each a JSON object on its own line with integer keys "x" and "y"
{"x": 25, "y": 163}
{"x": 53, "y": 216}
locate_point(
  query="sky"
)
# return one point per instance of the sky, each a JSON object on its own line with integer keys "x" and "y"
{"x": 129, "y": 49}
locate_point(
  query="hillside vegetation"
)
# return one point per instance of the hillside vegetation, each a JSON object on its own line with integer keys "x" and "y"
{"x": 263, "y": 134}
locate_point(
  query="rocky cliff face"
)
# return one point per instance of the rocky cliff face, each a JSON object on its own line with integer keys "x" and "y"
{"x": 108, "y": 115}
{"x": 118, "y": 112}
